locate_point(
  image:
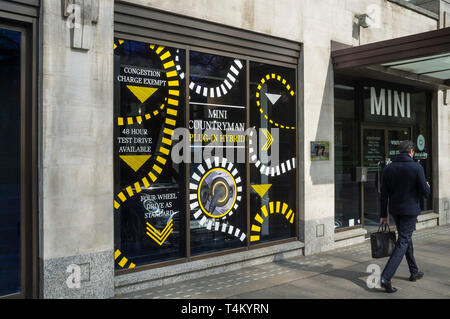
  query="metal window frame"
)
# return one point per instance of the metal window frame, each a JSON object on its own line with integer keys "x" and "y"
{"x": 23, "y": 16}
{"x": 126, "y": 31}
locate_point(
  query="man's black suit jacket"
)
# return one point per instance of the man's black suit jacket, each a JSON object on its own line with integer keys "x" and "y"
{"x": 403, "y": 184}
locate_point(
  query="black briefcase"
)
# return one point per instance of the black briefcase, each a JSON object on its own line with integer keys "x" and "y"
{"x": 382, "y": 242}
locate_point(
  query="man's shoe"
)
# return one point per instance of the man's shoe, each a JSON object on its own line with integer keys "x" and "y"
{"x": 388, "y": 287}
{"x": 416, "y": 276}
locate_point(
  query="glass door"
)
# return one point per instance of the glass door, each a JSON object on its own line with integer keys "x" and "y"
{"x": 373, "y": 158}
{"x": 379, "y": 147}
{"x": 11, "y": 201}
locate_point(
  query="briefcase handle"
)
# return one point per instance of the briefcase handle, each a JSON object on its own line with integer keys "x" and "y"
{"x": 383, "y": 227}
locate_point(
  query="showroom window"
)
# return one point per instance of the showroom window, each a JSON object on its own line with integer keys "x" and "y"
{"x": 237, "y": 189}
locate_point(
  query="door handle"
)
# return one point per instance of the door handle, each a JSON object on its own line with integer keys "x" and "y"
{"x": 379, "y": 176}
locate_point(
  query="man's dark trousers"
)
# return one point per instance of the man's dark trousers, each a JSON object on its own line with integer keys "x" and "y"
{"x": 404, "y": 247}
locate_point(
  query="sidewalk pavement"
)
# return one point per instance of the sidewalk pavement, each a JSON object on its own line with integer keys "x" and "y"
{"x": 340, "y": 273}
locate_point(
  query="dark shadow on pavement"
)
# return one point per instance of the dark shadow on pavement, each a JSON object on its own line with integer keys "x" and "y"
{"x": 328, "y": 270}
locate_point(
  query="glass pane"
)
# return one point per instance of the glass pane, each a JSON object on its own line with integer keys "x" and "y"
{"x": 272, "y": 152}
{"x": 149, "y": 188}
{"x": 422, "y": 138}
{"x": 217, "y": 127}
{"x": 346, "y": 154}
{"x": 394, "y": 139}
{"x": 10, "y": 162}
{"x": 373, "y": 159}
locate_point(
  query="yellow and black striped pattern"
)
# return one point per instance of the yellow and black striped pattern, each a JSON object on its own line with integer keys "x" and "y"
{"x": 122, "y": 260}
{"x": 130, "y": 120}
{"x": 161, "y": 156}
{"x": 266, "y": 210}
{"x": 283, "y": 81}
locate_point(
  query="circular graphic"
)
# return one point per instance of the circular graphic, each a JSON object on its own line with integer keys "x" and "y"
{"x": 217, "y": 192}
{"x": 272, "y": 97}
{"x": 421, "y": 142}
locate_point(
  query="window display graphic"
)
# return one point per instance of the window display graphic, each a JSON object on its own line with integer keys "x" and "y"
{"x": 149, "y": 226}
{"x": 273, "y": 98}
{"x": 271, "y": 208}
{"x": 165, "y": 142}
{"x": 273, "y": 116}
{"x": 215, "y": 194}
{"x": 219, "y": 90}
{"x": 262, "y": 189}
{"x": 284, "y": 167}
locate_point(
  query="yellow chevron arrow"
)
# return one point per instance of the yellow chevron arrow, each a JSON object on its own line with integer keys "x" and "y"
{"x": 157, "y": 236}
{"x": 269, "y": 139}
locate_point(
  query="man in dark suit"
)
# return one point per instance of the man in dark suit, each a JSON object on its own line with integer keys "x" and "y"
{"x": 403, "y": 184}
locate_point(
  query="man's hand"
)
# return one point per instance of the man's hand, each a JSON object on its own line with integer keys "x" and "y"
{"x": 429, "y": 184}
{"x": 383, "y": 221}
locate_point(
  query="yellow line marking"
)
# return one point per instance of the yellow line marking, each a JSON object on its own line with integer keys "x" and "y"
{"x": 165, "y": 55}
{"x": 168, "y": 64}
{"x": 164, "y": 150}
{"x": 259, "y": 219}
{"x": 289, "y": 214}
{"x": 153, "y": 177}
{"x": 166, "y": 141}
{"x": 264, "y": 211}
{"x": 171, "y": 74}
{"x": 145, "y": 181}
{"x": 172, "y": 112}
{"x": 173, "y": 83}
{"x": 283, "y": 210}
{"x": 161, "y": 160}
{"x": 122, "y": 197}
{"x": 116, "y": 254}
{"x": 123, "y": 262}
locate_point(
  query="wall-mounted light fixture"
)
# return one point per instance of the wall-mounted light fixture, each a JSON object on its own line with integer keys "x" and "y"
{"x": 364, "y": 20}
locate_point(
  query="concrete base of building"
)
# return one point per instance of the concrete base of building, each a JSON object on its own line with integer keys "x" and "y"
{"x": 60, "y": 276}
{"x": 349, "y": 237}
{"x": 196, "y": 269}
{"x": 427, "y": 220}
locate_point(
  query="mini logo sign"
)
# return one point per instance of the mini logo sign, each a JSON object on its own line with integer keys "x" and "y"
{"x": 390, "y": 103}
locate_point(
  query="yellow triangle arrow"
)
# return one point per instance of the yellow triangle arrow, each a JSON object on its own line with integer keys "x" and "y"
{"x": 135, "y": 161}
{"x": 142, "y": 93}
{"x": 261, "y": 189}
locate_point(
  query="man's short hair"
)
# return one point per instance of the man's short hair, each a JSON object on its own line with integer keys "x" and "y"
{"x": 406, "y": 146}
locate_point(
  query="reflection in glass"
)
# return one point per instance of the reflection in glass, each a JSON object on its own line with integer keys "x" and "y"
{"x": 148, "y": 96}
{"x": 374, "y": 159}
{"x": 10, "y": 252}
{"x": 346, "y": 154}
